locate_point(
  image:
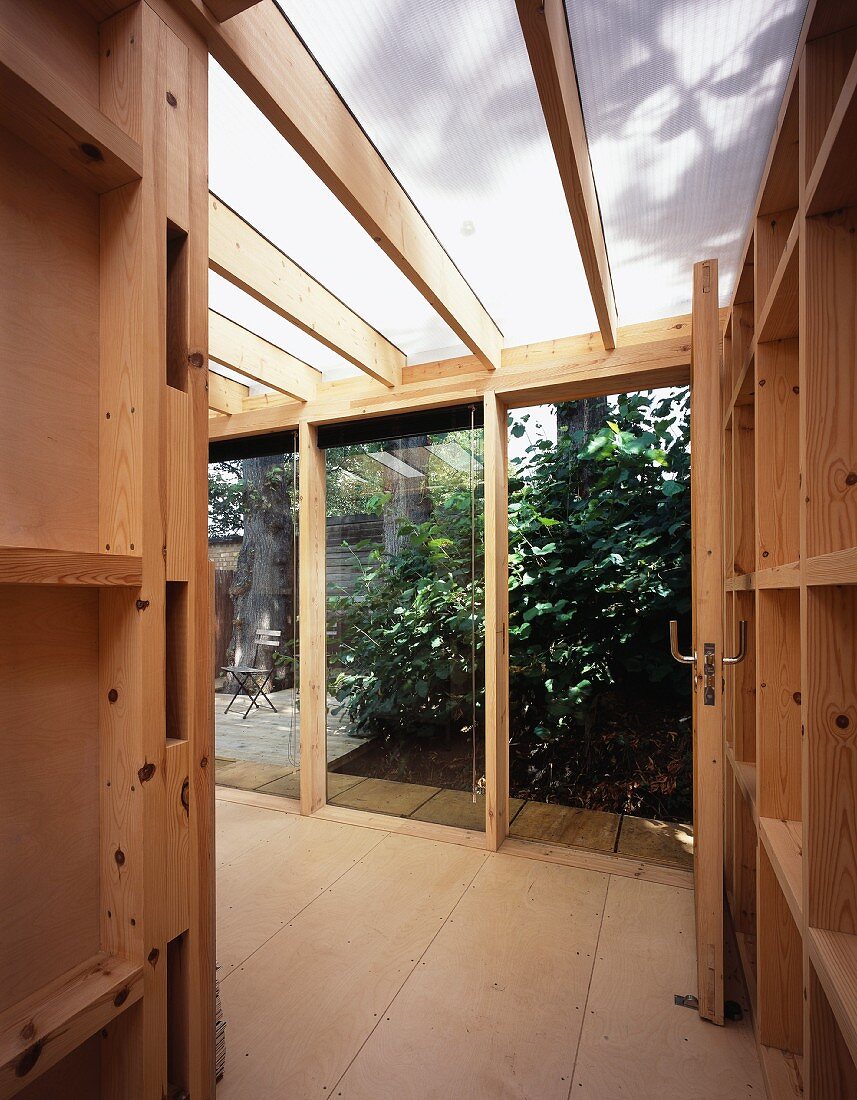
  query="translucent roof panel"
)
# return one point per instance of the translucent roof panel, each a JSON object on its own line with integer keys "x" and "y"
{"x": 680, "y": 99}
{"x": 445, "y": 90}
{"x": 255, "y": 171}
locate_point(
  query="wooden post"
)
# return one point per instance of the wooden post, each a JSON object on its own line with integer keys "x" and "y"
{"x": 496, "y": 623}
{"x": 707, "y": 568}
{"x": 312, "y": 619}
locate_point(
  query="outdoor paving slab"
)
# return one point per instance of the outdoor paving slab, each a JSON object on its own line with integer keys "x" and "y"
{"x": 247, "y": 774}
{"x": 458, "y": 809}
{"x": 383, "y": 796}
{"x": 566, "y": 825}
{"x": 290, "y": 785}
{"x": 661, "y": 841}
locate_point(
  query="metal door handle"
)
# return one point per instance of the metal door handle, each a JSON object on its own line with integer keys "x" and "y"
{"x": 680, "y": 657}
{"x": 742, "y": 645}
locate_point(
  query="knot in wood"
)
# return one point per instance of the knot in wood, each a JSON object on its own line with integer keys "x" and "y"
{"x": 28, "y": 1059}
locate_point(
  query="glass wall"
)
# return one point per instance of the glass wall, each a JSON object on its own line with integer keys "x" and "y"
{"x": 405, "y": 587}
{"x": 253, "y": 543}
{"x": 600, "y": 715}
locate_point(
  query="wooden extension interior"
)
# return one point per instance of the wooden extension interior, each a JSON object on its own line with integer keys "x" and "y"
{"x": 790, "y": 529}
{"x": 107, "y": 786}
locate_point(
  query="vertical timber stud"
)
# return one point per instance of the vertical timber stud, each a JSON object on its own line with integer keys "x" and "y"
{"x": 311, "y": 609}
{"x": 707, "y": 571}
{"x": 157, "y": 790}
{"x": 200, "y": 641}
{"x": 496, "y": 624}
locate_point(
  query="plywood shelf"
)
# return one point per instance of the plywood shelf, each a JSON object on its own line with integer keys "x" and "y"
{"x": 832, "y": 184}
{"x": 783, "y": 1072}
{"x": 40, "y": 1030}
{"x": 838, "y": 567}
{"x": 779, "y": 317}
{"x": 745, "y": 776}
{"x": 747, "y": 952}
{"x": 834, "y": 956}
{"x": 778, "y": 576}
{"x": 742, "y": 392}
{"x": 783, "y": 842}
{"x": 57, "y": 120}
{"x": 23, "y": 565}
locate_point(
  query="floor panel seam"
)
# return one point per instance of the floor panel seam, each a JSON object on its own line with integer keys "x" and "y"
{"x": 411, "y": 972}
{"x": 589, "y": 989}
{"x": 304, "y": 908}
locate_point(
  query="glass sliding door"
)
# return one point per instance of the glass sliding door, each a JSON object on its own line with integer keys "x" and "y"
{"x": 405, "y": 625}
{"x": 600, "y": 715}
{"x": 253, "y": 544}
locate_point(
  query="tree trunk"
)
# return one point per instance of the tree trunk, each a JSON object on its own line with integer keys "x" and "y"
{"x": 586, "y": 415}
{"x": 262, "y": 586}
{"x": 409, "y": 499}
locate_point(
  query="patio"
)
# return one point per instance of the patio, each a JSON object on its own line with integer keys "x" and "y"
{"x": 262, "y": 753}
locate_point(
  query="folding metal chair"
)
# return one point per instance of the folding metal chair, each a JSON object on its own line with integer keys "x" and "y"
{"x": 252, "y": 680}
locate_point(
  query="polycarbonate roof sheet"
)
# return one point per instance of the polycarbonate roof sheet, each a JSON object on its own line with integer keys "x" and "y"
{"x": 680, "y": 99}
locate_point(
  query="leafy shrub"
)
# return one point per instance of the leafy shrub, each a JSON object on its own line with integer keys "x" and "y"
{"x": 599, "y": 529}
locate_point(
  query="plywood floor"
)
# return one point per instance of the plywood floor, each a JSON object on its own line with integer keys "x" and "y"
{"x": 362, "y": 964}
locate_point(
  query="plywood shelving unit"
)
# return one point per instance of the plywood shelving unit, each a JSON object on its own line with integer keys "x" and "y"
{"x": 106, "y": 793}
{"x": 790, "y": 526}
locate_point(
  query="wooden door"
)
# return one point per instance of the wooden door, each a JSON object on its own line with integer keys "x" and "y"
{"x": 707, "y": 573}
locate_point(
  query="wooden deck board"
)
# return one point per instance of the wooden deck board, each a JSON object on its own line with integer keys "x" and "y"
{"x": 264, "y": 888}
{"x": 303, "y": 1004}
{"x": 496, "y": 1005}
{"x": 635, "y": 1041}
{"x": 566, "y": 825}
{"x": 249, "y": 774}
{"x": 661, "y": 841}
{"x": 458, "y": 809}
{"x": 383, "y": 796}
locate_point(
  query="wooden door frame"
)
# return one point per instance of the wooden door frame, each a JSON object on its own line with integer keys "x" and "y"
{"x": 707, "y": 581}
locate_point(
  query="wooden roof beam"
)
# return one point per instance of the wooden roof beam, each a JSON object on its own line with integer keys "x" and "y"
{"x": 224, "y": 395}
{"x": 242, "y": 255}
{"x": 266, "y": 58}
{"x": 549, "y": 45}
{"x": 650, "y": 355}
{"x": 246, "y": 353}
{"x": 228, "y": 9}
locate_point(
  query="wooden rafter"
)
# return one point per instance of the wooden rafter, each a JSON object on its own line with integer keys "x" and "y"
{"x": 224, "y": 395}
{"x": 246, "y": 353}
{"x": 266, "y": 58}
{"x": 242, "y": 255}
{"x": 548, "y": 43}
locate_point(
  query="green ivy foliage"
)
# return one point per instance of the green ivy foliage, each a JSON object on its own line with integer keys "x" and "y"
{"x": 599, "y": 530}
{"x": 599, "y": 561}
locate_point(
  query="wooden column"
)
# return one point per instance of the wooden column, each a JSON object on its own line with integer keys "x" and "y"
{"x": 312, "y": 587}
{"x": 496, "y": 623}
{"x": 707, "y": 567}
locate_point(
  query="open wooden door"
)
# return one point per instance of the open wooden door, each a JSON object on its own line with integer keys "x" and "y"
{"x": 707, "y": 572}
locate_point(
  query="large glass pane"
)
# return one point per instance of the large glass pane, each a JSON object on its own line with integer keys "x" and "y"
{"x": 600, "y": 715}
{"x": 405, "y": 732}
{"x": 252, "y": 541}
